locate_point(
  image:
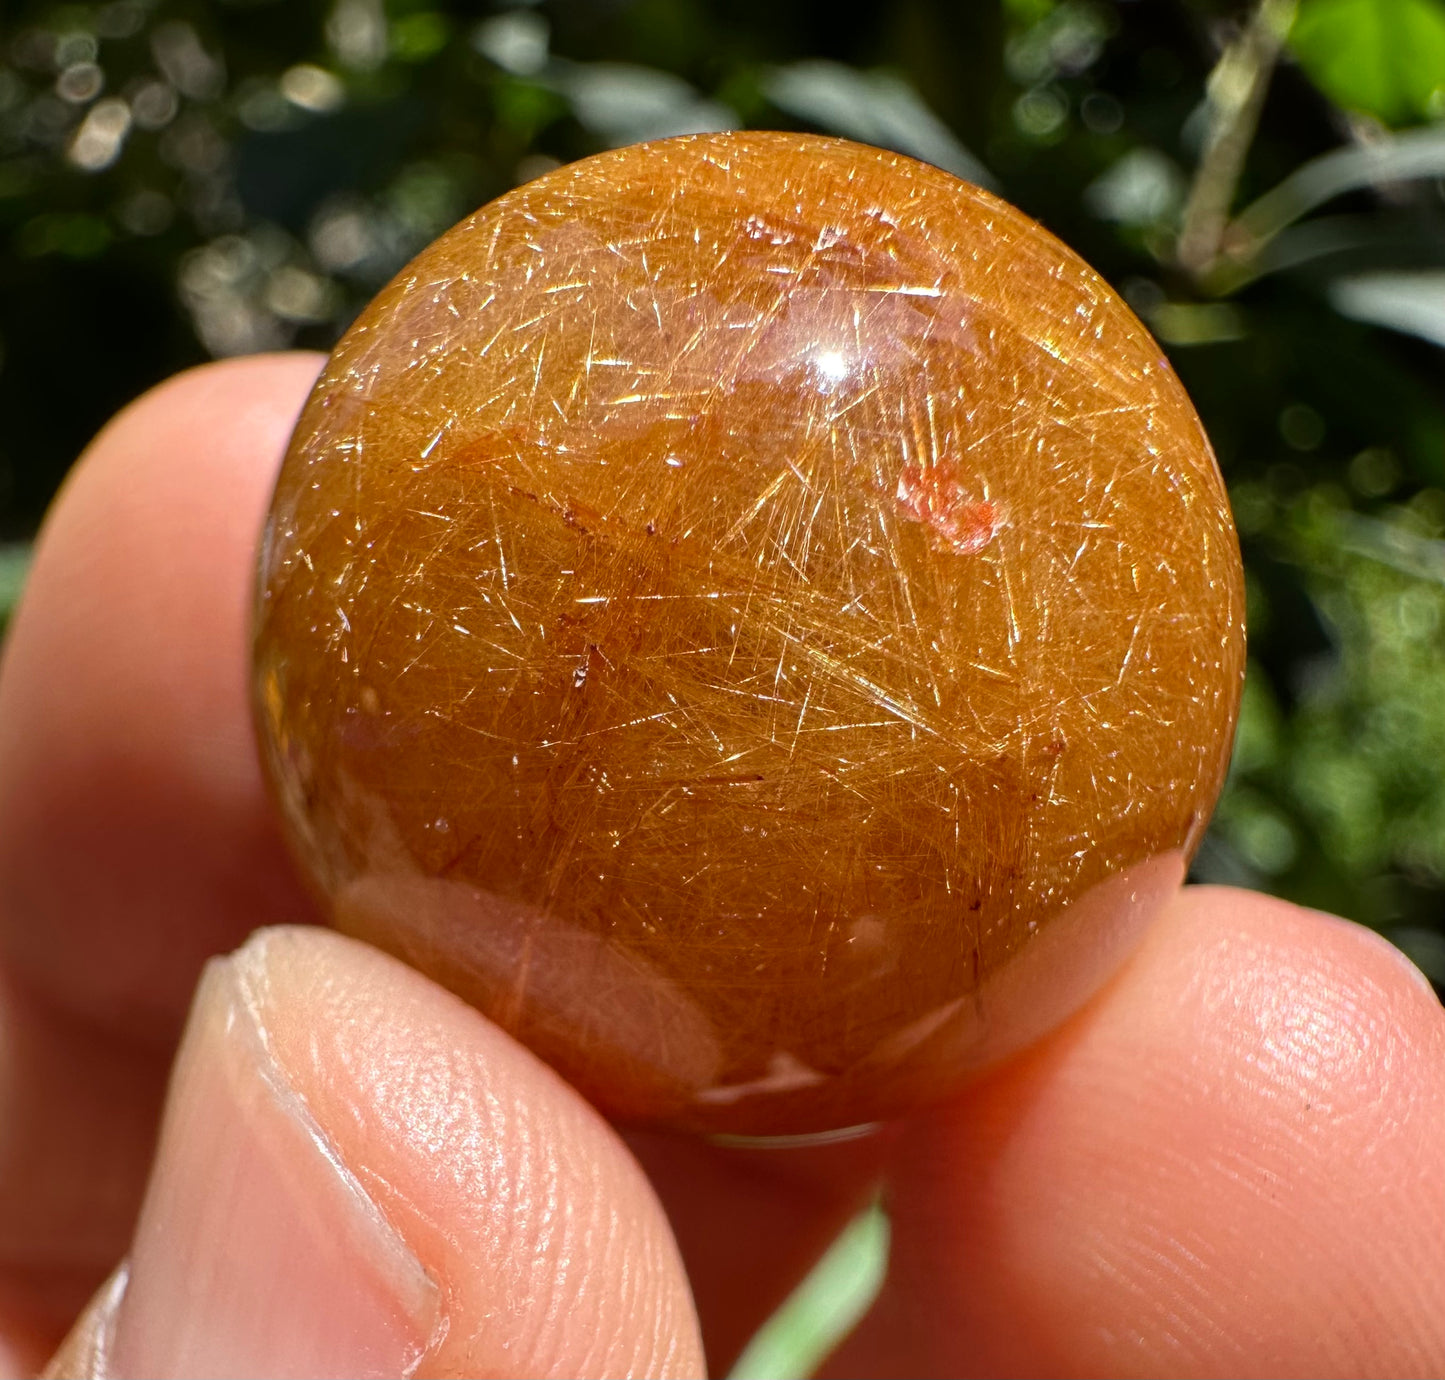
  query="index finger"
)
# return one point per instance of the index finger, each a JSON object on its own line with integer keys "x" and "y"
{"x": 136, "y": 839}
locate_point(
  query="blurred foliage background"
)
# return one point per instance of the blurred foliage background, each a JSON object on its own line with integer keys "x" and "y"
{"x": 1265, "y": 184}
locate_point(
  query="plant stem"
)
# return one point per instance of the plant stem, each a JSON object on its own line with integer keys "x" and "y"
{"x": 1235, "y": 95}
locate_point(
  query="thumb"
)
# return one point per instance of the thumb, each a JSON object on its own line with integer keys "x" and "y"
{"x": 359, "y": 1175}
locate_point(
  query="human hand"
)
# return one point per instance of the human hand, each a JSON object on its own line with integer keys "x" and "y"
{"x": 1228, "y": 1163}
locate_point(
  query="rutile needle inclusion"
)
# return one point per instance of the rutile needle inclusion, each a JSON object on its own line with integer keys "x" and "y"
{"x": 759, "y": 618}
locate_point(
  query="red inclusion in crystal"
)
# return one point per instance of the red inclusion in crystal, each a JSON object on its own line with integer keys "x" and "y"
{"x": 931, "y": 495}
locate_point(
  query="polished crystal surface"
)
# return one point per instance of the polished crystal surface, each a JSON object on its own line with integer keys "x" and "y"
{"x": 758, "y": 617}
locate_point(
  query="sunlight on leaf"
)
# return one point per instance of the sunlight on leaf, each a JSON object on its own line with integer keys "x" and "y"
{"x": 625, "y": 104}
{"x": 1144, "y": 187}
{"x": 516, "y": 41}
{"x": 1384, "y": 58}
{"x": 1418, "y": 153}
{"x": 1196, "y": 323}
{"x": 874, "y": 107}
{"x": 1410, "y": 302}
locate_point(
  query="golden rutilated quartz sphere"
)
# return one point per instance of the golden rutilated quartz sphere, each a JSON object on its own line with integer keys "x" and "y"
{"x": 758, "y": 617}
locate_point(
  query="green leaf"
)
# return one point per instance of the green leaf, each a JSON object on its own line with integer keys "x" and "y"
{"x": 418, "y": 36}
{"x": 1410, "y": 302}
{"x": 824, "y": 1308}
{"x": 1384, "y": 58}
{"x": 14, "y": 566}
{"x": 625, "y": 103}
{"x": 873, "y": 107}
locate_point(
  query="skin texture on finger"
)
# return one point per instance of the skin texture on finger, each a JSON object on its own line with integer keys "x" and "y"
{"x": 751, "y": 1222}
{"x": 77, "y": 1123}
{"x": 360, "y": 1175}
{"x": 135, "y": 834}
{"x": 1228, "y": 1164}
{"x": 550, "y": 1249}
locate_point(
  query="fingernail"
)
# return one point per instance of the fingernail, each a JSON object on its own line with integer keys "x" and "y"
{"x": 258, "y": 1252}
